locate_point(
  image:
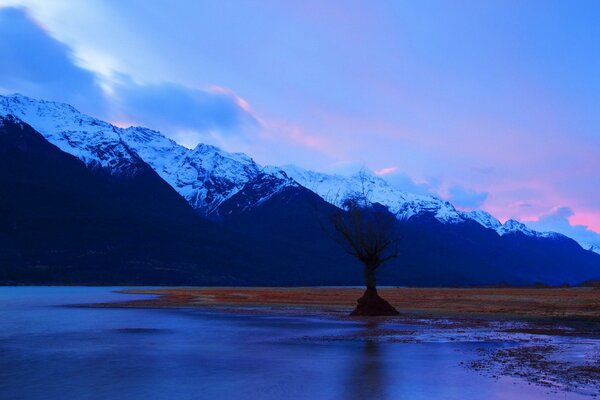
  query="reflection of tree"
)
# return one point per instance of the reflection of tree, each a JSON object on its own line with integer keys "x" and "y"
{"x": 367, "y": 378}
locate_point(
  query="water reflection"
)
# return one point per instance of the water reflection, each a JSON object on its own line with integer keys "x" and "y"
{"x": 367, "y": 377}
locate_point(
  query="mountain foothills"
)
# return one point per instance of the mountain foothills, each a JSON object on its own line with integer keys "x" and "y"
{"x": 84, "y": 201}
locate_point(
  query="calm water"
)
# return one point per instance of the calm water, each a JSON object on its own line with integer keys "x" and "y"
{"x": 49, "y": 351}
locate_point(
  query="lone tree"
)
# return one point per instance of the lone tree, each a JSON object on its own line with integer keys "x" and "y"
{"x": 367, "y": 231}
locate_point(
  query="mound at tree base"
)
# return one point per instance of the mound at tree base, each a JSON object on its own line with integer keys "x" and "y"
{"x": 372, "y": 305}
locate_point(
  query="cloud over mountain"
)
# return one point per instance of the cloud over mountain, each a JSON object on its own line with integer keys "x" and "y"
{"x": 182, "y": 111}
{"x": 558, "y": 220}
{"x": 466, "y": 198}
{"x": 35, "y": 63}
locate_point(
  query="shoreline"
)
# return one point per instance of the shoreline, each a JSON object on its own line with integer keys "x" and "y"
{"x": 577, "y": 305}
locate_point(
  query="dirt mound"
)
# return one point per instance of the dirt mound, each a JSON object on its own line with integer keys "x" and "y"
{"x": 372, "y": 305}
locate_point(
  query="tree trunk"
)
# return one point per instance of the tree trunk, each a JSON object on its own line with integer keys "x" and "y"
{"x": 370, "y": 281}
{"x": 370, "y": 304}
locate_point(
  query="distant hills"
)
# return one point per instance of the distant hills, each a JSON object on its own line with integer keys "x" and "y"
{"x": 84, "y": 201}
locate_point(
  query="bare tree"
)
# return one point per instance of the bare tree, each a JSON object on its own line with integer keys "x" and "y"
{"x": 368, "y": 232}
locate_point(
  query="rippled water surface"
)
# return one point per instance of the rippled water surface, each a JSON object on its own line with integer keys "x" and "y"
{"x": 52, "y": 351}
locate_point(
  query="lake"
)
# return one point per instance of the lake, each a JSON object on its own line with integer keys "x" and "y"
{"x": 51, "y": 350}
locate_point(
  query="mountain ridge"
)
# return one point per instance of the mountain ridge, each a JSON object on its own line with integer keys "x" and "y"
{"x": 271, "y": 231}
{"x": 207, "y": 177}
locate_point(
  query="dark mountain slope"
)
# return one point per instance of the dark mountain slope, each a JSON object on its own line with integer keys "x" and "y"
{"x": 62, "y": 222}
{"x": 296, "y": 224}
{"x": 437, "y": 254}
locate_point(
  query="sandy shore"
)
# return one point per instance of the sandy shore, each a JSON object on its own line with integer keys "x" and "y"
{"x": 562, "y": 303}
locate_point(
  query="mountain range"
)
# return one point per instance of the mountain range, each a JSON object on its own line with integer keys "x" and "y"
{"x": 136, "y": 207}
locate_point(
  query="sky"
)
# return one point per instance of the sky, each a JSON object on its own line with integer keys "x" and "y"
{"x": 491, "y": 105}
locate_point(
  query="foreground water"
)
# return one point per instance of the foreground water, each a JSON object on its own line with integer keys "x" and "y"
{"x": 49, "y": 350}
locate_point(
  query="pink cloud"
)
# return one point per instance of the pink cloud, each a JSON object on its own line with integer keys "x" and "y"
{"x": 591, "y": 219}
{"x": 122, "y": 123}
{"x": 242, "y": 103}
{"x": 290, "y": 133}
{"x": 386, "y": 171}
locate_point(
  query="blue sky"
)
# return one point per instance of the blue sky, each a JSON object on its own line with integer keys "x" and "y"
{"x": 491, "y": 104}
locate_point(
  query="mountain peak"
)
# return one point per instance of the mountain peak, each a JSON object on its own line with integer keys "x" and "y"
{"x": 210, "y": 150}
{"x": 484, "y": 218}
{"x": 207, "y": 176}
{"x": 18, "y": 99}
{"x": 336, "y": 188}
{"x": 513, "y": 226}
{"x": 95, "y": 142}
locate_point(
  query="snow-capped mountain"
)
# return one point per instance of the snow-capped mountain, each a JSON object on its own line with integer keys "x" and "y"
{"x": 336, "y": 188}
{"x": 484, "y": 218}
{"x": 513, "y": 226}
{"x": 207, "y": 177}
{"x": 95, "y": 142}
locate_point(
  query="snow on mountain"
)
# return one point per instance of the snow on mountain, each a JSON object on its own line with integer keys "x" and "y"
{"x": 10, "y": 119}
{"x": 205, "y": 176}
{"x": 595, "y": 248}
{"x": 336, "y": 188}
{"x": 512, "y": 226}
{"x": 484, "y": 218}
{"x": 591, "y": 247}
{"x": 95, "y": 142}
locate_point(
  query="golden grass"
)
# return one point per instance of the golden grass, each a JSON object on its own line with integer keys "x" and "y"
{"x": 567, "y": 303}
